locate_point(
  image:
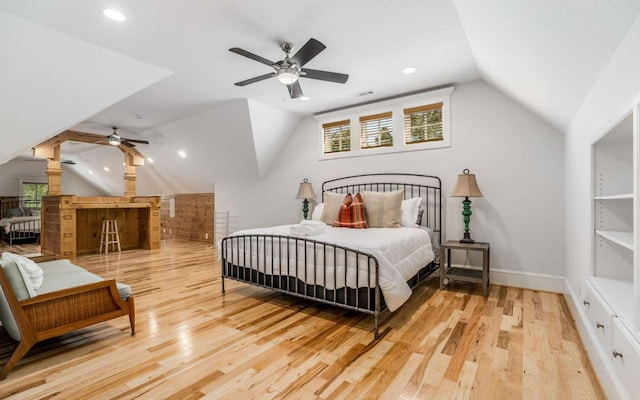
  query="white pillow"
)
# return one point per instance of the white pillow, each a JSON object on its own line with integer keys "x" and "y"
{"x": 410, "y": 208}
{"x": 316, "y": 215}
{"x": 32, "y": 270}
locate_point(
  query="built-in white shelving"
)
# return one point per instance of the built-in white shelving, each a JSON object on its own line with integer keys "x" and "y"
{"x": 621, "y": 238}
{"x": 618, "y": 294}
{"x": 615, "y": 197}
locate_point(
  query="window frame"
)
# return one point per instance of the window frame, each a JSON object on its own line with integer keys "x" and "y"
{"x": 336, "y": 124}
{"x": 31, "y": 181}
{"x": 396, "y": 107}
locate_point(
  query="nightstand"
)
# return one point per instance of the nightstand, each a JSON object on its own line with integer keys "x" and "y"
{"x": 464, "y": 274}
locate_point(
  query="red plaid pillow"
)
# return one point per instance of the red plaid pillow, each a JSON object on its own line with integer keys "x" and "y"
{"x": 351, "y": 213}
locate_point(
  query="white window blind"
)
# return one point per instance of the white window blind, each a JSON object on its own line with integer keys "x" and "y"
{"x": 423, "y": 124}
{"x": 336, "y": 136}
{"x": 376, "y": 130}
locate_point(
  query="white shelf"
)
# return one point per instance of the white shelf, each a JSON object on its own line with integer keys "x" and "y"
{"x": 615, "y": 197}
{"x": 624, "y": 239}
{"x": 618, "y": 294}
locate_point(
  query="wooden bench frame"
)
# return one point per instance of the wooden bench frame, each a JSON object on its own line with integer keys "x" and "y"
{"x": 63, "y": 311}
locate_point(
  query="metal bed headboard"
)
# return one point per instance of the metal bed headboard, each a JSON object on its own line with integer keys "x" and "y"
{"x": 428, "y": 187}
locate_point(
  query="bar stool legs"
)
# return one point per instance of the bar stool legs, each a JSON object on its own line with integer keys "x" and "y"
{"x": 109, "y": 235}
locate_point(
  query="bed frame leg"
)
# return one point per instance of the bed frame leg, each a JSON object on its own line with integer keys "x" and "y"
{"x": 376, "y": 335}
{"x": 222, "y": 282}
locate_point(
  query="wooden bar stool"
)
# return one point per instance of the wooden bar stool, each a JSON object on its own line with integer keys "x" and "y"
{"x": 109, "y": 235}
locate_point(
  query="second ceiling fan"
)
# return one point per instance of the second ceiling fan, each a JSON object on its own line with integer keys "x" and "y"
{"x": 290, "y": 68}
{"x": 114, "y": 139}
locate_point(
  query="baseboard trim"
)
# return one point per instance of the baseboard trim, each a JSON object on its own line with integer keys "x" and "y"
{"x": 528, "y": 280}
{"x": 599, "y": 360}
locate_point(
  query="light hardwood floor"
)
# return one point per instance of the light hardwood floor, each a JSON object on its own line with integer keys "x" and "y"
{"x": 192, "y": 342}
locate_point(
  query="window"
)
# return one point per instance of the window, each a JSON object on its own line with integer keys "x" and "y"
{"x": 32, "y": 193}
{"x": 336, "y": 136}
{"x": 376, "y": 130}
{"x": 423, "y": 124}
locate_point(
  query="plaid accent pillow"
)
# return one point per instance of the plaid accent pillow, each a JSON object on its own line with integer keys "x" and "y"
{"x": 351, "y": 213}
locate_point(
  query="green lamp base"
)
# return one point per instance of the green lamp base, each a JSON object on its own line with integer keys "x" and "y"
{"x": 466, "y": 213}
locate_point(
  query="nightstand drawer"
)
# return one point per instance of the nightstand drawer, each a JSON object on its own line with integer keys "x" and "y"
{"x": 626, "y": 358}
{"x": 600, "y": 316}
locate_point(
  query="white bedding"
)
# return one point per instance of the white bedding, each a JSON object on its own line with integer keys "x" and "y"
{"x": 400, "y": 252}
{"x": 21, "y": 224}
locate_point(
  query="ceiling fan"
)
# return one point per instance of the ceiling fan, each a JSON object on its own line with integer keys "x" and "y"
{"x": 288, "y": 70}
{"x": 114, "y": 139}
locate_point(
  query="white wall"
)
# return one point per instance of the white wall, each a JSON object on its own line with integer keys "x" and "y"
{"x": 517, "y": 158}
{"x": 71, "y": 183}
{"x": 614, "y": 94}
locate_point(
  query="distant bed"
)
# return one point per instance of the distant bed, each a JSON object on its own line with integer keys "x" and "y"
{"x": 20, "y": 223}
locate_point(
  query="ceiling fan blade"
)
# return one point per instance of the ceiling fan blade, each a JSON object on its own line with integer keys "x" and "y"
{"x": 252, "y": 56}
{"x": 126, "y": 143}
{"x": 310, "y": 49}
{"x": 256, "y": 79}
{"x": 324, "y": 75}
{"x": 295, "y": 90}
{"x": 69, "y": 162}
{"x": 136, "y": 141}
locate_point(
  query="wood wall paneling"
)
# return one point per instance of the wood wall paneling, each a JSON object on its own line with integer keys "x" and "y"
{"x": 193, "y": 217}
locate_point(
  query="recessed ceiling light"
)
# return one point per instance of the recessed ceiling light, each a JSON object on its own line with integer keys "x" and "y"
{"x": 124, "y": 164}
{"x": 409, "y": 70}
{"x": 90, "y": 172}
{"x": 150, "y": 160}
{"x": 106, "y": 169}
{"x": 304, "y": 98}
{"x": 182, "y": 153}
{"x": 114, "y": 14}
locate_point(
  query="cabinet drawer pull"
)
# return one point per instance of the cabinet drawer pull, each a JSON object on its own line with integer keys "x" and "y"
{"x": 586, "y": 303}
{"x": 616, "y": 354}
{"x": 599, "y": 325}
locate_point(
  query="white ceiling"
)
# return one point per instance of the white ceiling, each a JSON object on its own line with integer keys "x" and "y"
{"x": 545, "y": 53}
{"x": 370, "y": 41}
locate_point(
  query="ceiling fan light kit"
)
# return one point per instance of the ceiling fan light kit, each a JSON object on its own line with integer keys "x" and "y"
{"x": 115, "y": 140}
{"x": 288, "y": 70}
{"x": 287, "y": 75}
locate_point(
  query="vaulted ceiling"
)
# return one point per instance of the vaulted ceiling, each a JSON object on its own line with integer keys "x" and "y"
{"x": 545, "y": 54}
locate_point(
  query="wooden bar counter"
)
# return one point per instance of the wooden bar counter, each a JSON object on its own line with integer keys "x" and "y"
{"x": 71, "y": 225}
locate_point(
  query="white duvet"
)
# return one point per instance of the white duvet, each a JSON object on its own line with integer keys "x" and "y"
{"x": 400, "y": 252}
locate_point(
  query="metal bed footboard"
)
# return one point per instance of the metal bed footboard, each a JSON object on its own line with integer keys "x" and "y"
{"x": 305, "y": 268}
{"x": 23, "y": 230}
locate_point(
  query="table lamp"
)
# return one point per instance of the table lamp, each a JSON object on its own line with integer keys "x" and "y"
{"x": 466, "y": 187}
{"x": 305, "y": 192}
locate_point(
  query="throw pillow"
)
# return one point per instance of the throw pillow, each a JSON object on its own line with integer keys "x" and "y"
{"x": 14, "y": 212}
{"x": 332, "y": 203}
{"x": 33, "y": 270}
{"x": 383, "y": 208}
{"x": 351, "y": 213}
{"x": 410, "y": 211}
{"x": 419, "y": 219}
{"x": 316, "y": 215}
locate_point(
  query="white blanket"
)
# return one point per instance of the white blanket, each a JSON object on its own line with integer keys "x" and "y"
{"x": 400, "y": 252}
{"x": 307, "y": 228}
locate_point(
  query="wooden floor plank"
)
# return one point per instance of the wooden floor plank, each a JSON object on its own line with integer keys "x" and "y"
{"x": 193, "y": 342}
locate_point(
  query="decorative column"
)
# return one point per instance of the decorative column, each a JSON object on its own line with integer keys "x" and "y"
{"x": 129, "y": 176}
{"x": 54, "y": 173}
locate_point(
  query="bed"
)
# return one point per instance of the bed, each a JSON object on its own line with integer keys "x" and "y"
{"x": 367, "y": 270}
{"x": 19, "y": 220}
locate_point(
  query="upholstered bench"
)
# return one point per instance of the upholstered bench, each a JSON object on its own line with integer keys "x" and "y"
{"x": 68, "y": 299}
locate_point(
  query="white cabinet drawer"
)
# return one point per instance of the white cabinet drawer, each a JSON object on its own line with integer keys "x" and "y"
{"x": 599, "y": 314}
{"x": 626, "y": 358}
